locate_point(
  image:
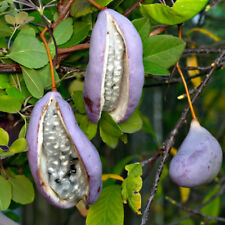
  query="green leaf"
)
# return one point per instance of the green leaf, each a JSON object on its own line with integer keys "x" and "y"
{"x": 4, "y": 137}
{"x": 45, "y": 76}
{"x": 158, "y": 50}
{"x": 133, "y": 124}
{"x": 18, "y": 146}
{"x": 213, "y": 208}
{"x": 10, "y": 19}
{"x": 12, "y": 215}
{"x": 124, "y": 138}
{"x": 181, "y": 11}
{"x": 15, "y": 93}
{"x": 33, "y": 82}
{"x": 5, "y": 30}
{"x": 9, "y": 104}
{"x": 132, "y": 185}
{"x": 155, "y": 69}
{"x": 109, "y": 130}
{"x": 20, "y": 18}
{"x": 81, "y": 30}
{"x": 23, "y": 131}
{"x": 89, "y": 128}
{"x": 3, "y": 6}
{"x": 27, "y": 50}
{"x": 6, "y": 193}
{"x": 22, "y": 189}
{"x": 27, "y": 31}
{"x": 63, "y": 31}
{"x": 23, "y": 18}
{"x": 103, "y": 2}
{"x": 119, "y": 167}
{"x": 4, "y": 81}
{"x": 187, "y": 222}
{"x": 3, "y": 44}
{"x": 143, "y": 27}
{"x": 108, "y": 210}
{"x": 81, "y": 8}
{"x": 76, "y": 85}
{"x": 77, "y": 97}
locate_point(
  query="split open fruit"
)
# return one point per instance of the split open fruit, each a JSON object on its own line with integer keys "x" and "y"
{"x": 65, "y": 164}
{"x": 115, "y": 72}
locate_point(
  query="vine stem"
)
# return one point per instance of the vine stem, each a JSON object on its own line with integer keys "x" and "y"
{"x": 49, "y": 57}
{"x": 97, "y": 5}
{"x": 183, "y": 79}
{"x": 9, "y": 41}
{"x": 187, "y": 92}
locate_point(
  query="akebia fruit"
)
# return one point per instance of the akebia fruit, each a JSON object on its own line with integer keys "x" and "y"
{"x": 115, "y": 72}
{"x": 65, "y": 165}
{"x": 198, "y": 159}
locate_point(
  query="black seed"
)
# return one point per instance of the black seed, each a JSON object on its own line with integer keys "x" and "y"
{"x": 57, "y": 180}
{"x": 73, "y": 169}
{"x": 74, "y": 159}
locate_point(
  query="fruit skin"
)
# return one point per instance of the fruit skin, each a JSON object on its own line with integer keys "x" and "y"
{"x": 85, "y": 148}
{"x": 93, "y": 78}
{"x": 198, "y": 160}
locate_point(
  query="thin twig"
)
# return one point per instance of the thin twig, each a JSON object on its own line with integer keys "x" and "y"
{"x": 42, "y": 35}
{"x": 73, "y": 48}
{"x": 219, "y": 193}
{"x": 63, "y": 11}
{"x": 53, "y": 38}
{"x": 194, "y": 211}
{"x": 158, "y": 30}
{"x": 99, "y": 7}
{"x": 202, "y": 50}
{"x": 14, "y": 81}
{"x": 133, "y": 7}
{"x": 187, "y": 92}
{"x": 18, "y": 81}
{"x": 10, "y": 68}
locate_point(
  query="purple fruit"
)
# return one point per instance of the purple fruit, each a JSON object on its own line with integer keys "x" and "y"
{"x": 198, "y": 160}
{"x": 65, "y": 165}
{"x": 115, "y": 72}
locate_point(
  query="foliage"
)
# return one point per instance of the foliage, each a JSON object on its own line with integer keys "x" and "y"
{"x": 132, "y": 185}
{"x": 25, "y": 77}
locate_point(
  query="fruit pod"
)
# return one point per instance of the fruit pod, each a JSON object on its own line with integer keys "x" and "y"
{"x": 198, "y": 159}
{"x": 65, "y": 164}
{"x": 115, "y": 72}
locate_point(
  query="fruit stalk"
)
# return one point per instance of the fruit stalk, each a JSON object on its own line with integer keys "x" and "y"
{"x": 49, "y": 57}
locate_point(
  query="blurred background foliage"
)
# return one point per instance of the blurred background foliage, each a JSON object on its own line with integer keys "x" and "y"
{"x": 160, "y": 108}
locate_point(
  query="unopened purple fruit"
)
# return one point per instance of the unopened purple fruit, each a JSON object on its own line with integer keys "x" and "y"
{"x": 115, "y": 72}
{"x": 65, "y": 165}
{"x": 198, "y": 159}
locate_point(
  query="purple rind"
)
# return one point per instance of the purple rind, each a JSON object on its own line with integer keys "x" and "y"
{"x": 85, "y": 148}
{"x": 93, "y": 77}
{"x": 198, "y": 159}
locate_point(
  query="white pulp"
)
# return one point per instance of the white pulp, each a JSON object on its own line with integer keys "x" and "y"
{"x": 114, "y": 63}
{"x": 62, "y": 168}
